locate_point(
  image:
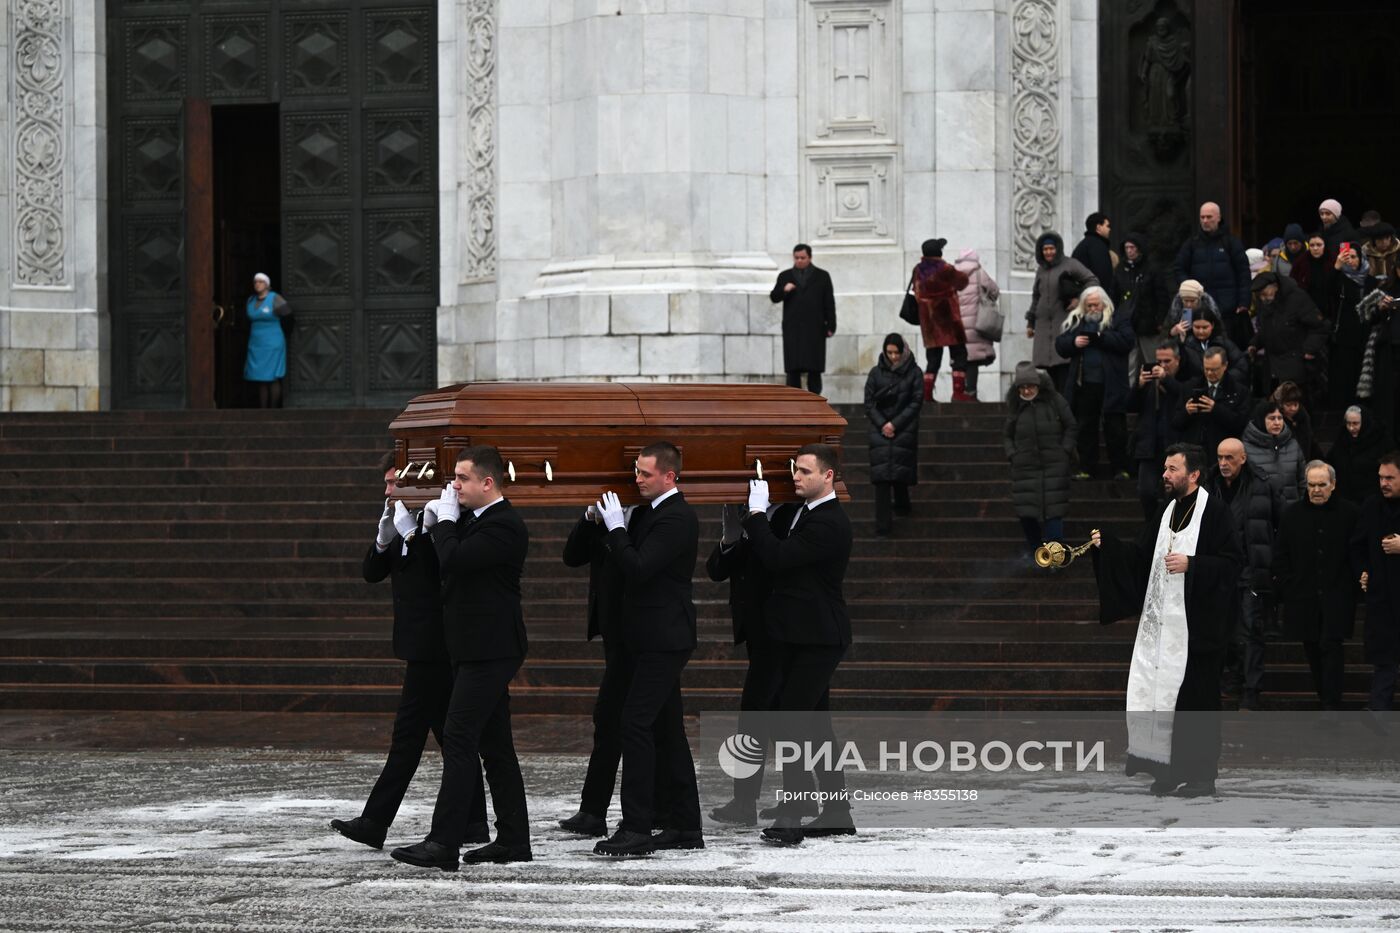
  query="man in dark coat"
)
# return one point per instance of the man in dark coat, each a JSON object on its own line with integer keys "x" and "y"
{"x": 401, "y": 552}
{"x": 480, "y": 559}
{"x": 1216, "y": 259}
{"x": 809, "y": 318}
{"x": 655, "y": 557}
{"x": 1212, "y": 408}
{"x": 893, "y": 397}
{"x": 806, "y": 615}
{"x": 1094, "y": 250}
{"x": 1256, "y": 506}
{"x": 1097, "y": 344}
{"x": 1314, "y": 579}
{"x": 1180, "y": 577}
{"x": 1155, "y": 399}
{"x": 1375, "y": 552}
{"x": 1292, "y": 332}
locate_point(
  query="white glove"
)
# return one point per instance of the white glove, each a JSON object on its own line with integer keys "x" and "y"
{"x": 386, "y": 527}
{"x": 449, "y": 509}
{"x": 590, "y": 514}
{"x": 611, "y": 509}
{"x": 404, "y": 522}
{"x": 758, "y": 495}
{"x": 730, "y": 529}
{"x": 430, "y": 514}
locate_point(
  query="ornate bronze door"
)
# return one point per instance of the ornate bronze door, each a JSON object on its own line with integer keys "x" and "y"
{"x": 356, "y": 89}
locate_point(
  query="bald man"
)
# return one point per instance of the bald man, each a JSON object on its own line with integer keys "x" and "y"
{"x": 1218, "y": 261}
{"x": 1255, "y": 507}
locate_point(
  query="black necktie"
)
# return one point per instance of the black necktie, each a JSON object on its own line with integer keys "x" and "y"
{"x": 798, "y": 518}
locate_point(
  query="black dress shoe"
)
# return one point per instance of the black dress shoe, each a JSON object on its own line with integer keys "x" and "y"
{"x": 795, "y": 808}
{"x": 833, "y": 821}
{"x": 678, "y": 839}
{"x": 498, "y": 854}
{"x": 1163, "y": 786}
{"x": 363, "y": 830}
{"x": 428, "y": 854}
{"x": 477, "y": 833}
{"x": 736, "y": 811}
{"x": 585, "y": 824}
{"x": 785, "y": 832}
{"x": 626, "y": 844}
{"x": 1196, "y": 789}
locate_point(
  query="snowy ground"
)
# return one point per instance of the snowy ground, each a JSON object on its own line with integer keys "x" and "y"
{"x": 237, "y": 839}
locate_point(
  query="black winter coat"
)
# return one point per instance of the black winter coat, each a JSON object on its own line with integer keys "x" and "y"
{"x": 1193, "y": 357}
{"x": 1140, "y": 295}
{"x": 1356, "y": 459}
{"x": 1256, "y": 508}
{"x": 1289, "y": 328}
{"x": 1218, "y": 261}
{"x": 1094, "y": 252}
{"x": 1379, "y": 517}
{"x": 1039, "y": 437}
{"x": 1312, "y": 570}
{"x": 1114, "y": 345}
{"x": 895, "y": 395}
{"x": 1155, "y": 404}
{"x": 809, "y": 314}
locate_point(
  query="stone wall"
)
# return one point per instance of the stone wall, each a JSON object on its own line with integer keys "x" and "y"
{"x": 54, "y": 352}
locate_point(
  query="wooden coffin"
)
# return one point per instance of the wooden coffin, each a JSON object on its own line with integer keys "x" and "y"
{"x": 569, "y": 442}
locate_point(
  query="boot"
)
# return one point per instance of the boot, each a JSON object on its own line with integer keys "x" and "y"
{"x": 959, "y": 385}
{"x": 928, "y": 386}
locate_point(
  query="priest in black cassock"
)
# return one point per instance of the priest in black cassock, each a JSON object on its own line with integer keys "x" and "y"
{"x": 1179, "y": 578}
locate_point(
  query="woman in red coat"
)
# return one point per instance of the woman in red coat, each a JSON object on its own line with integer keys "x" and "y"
{"x": 936, "y": 287}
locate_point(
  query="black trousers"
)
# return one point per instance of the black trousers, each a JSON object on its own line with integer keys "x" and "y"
{"x": 814, "y": 380}
{"x": 653, "y": 706}
{"x": 606, "y": 755}
{"x": 806, "y": 672}
{"x": 478, "y": 724}
{"x": 423, "y": 699}
{"x": 957, "y": 354}
{"x": 1326, "y": 658}
{"x": 1088, "y": 410}
{"x": 884, "y": 492}
{"x": 763, "y": 688}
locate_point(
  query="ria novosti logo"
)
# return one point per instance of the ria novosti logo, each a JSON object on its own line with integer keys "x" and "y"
{"x": 741, "y": 756}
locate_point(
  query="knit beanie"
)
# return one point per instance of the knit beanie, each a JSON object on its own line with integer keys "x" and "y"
{"x": 1331, "y": 204}
{"x": 1191, "y": 289}
{"x": 1026, "y": 375}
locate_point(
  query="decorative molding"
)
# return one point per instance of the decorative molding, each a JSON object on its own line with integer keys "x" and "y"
{"x": 1035, "y": 125}
{"x": 852, "y": 55}
{"x": 42, "y": 126}
{"x": 853, "y": 198}
{"x": 479, "y": 182}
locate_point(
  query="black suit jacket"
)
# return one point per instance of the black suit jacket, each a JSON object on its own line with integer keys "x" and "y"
{"x": 749, "y": 584}
{"x": 587, "y": 545}
{"x": 480, "y": 562}
{"x": 1227, "y": 419}
{"x": 806, "y": 569}
{"x": 417, "y": 596}
{"x": 655, "y": 557}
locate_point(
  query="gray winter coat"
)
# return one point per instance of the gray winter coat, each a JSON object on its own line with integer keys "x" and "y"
{"x": 1279, "y": 457}
{"x": 1049, "y": 304}
{"x": 1039, "y": 438}
{"x": 894, "y": 394}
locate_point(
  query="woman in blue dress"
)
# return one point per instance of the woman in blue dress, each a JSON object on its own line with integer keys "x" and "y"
{"x": 267, "y": 343}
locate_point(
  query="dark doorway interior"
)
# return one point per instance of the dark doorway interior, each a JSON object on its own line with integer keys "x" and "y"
{"x": 1318, "y": 104}
{"x": 247, "y": 232}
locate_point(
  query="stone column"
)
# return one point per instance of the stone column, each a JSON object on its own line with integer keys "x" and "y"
{"x": 53, "y": 322}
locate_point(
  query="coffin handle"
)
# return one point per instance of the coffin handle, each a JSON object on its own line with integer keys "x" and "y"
{"x": 425, "y": 470}
{"x": 510, "y": 470}
{"x": 406, "y": 467}
{"x": 758, "y": 467}
{"x": 548, "y": 472}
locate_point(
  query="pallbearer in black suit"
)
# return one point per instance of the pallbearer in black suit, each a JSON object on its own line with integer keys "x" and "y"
{"x": 806, "y": 616}
{"x": 655, "y": 555}
{"x": 480, "y": 556}
{"x": 408, "y": 559}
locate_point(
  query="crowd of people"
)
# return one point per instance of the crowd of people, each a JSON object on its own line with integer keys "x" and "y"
{"x": 1234, "y": 351}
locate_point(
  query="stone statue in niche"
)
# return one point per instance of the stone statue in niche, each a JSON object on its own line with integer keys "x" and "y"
{"x": 1164, "y": 72}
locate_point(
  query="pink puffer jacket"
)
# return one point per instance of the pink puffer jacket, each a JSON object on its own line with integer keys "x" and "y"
{"x": 980, "y": 287}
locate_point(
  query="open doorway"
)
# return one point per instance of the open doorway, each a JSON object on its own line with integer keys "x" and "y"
{"x": 247, "y": 232}
{"x": 1317, "y": 112}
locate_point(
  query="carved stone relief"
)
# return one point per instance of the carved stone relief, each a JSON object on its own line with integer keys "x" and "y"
{"x": 1035, "y": 125}
{"x": 41, "y": 134}
{"x": 853, "y": 199}
{"x": 479, "y": 187}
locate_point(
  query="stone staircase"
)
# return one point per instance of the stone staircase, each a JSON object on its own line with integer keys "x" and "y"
{"x": 209, "y": 561}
